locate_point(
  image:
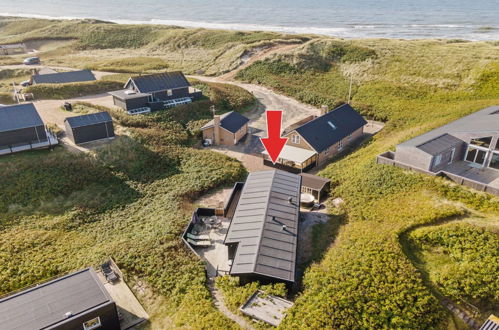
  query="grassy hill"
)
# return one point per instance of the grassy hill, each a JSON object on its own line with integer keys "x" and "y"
{"x": 130, "y": 199}
{"x": 365, "y": 279}
{"x": 133, "y": 48}
{"x": 371, "y": 277}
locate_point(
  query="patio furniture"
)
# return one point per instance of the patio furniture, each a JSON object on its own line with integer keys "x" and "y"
{"x": 199, "y": 237}
{"x": 217, "y": 225}
{"x": 317, "y": 206}
{"x": 199, "y": 243}
{"x": 108, "y": 272}
{"x": 211, "y": 220}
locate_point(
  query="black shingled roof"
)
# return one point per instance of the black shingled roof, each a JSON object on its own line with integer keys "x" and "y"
{"x": 45, "y": 305}
{"x": 90, "y": 119}
{"x": 160, "y": 82}
{"x": 321, "y": 135}
{"x": 64, "y": 77}
{"x": 19, "y": 116}
{"x": 231, "y": 121}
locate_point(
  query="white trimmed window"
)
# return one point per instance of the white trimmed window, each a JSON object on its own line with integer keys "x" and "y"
{"x": 295, "y": 138}
{"x": 438, "y": 160}
{"x": 92, "y": 324}
{"x": 452, "y": 154}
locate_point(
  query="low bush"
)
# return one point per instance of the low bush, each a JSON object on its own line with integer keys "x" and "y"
{"x": 235, "y": 295}
{"x": 71, "y": 90}
{"x": 462, "y": 261}
{"x": 130, "y": 65}
{"x": 29, "y": 185}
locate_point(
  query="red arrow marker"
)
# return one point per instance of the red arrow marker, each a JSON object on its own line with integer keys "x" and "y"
{"x": 274, "y": 143}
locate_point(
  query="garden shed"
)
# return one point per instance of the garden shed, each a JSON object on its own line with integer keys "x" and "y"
{"x": 21, "y": 125}
{"x": 315, "y": 185}
{"x": 91, "y": 127}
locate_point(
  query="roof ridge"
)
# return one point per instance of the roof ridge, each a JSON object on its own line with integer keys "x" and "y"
{"x": 264, "y": 221}
{"x": 321, "y": 116}
{"x": 157, "y": 74}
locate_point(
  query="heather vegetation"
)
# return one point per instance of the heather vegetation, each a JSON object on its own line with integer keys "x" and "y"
{"x": 71, "y": 90}
{"x": 129, "y": 200}
{"x": 366, "y": 280}
{"x": 138, "y": 207}
{"x": 462, "y": 260}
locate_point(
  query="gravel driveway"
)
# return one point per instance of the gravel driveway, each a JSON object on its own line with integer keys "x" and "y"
{"x": 293, "y": 110}
{"x": 51, "y": 112}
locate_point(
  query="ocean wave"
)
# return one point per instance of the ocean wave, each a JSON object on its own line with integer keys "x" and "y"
{"x": 353, "y": 31}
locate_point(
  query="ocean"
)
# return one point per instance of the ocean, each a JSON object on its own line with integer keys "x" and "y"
{"x": 406, "y": 19}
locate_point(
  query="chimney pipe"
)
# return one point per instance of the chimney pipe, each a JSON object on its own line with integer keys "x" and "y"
{"x": 324, "y": 109}
{"x": 216, "y": 129}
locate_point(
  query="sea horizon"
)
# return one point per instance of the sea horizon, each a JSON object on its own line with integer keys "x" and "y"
{"x": 351, "y": 20}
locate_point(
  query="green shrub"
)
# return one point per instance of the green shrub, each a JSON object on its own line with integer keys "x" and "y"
{"x": 130, "y": 65}
{"x": 71, "y": 90}
{"x": 463, "y": 261}
{"x": 29, "y": 185}
{"x": 235, "y": 295}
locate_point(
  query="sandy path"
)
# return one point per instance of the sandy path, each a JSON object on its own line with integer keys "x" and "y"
{"x": 260, "y": 55}
{"x": 50, "y": 110}
{"x": 268, "y": 100}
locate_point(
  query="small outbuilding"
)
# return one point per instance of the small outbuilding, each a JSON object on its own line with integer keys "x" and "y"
{"x": 21, "y": 128}
{"x": 63, "y": 77}
{"x": 91, "y": 127}
{"x": 75, "y": 301}
{"x": 315, "y": 185}
{"x": 226, "y": 129}
{"x": 13, "y": 49}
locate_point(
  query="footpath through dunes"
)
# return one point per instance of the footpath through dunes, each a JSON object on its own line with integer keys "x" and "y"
{"x": 268, "y": 100}
{"x": 258, "y": 54}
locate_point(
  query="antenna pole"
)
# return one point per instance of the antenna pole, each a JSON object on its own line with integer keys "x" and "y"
{"x": 350, "y": 89}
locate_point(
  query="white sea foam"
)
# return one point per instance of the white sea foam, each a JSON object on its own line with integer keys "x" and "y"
{"x": 378, "y": 30}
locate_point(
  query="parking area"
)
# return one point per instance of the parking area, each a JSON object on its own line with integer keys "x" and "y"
{"x": 51, "y": 112}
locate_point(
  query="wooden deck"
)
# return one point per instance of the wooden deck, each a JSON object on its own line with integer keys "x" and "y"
{"x": 485, "y": 175}
{"x": 127, "y": 304}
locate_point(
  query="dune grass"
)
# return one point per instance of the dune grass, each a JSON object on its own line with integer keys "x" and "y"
{"x": 71, "y": 90}
{"x": 122, "y": 48}
{"x": 61, "y": 211}
{"x": 365, "y": 280}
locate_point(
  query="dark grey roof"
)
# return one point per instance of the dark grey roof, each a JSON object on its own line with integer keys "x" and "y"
{"x": 19, "y": 116}
{"x": 160, "y": 82}
{"x": 47, "y": 304}
{"x": 328, "y": 129}
{"x": 122, "y": 95}
{"x": 485, "y": 121}
{"x": 90, "y": 119}
{"x": 492, "y": 323}
{"x": 265, "y": 224}
{"x": 231, "y": 121}
{"x": 6, "y": 46}
{"x": 440, "y": 144}
{"x": 64, "y": 77}
{"x": 313, "y": 181}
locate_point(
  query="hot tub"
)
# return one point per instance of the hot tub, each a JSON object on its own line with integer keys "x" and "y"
{"x": 307, "y": 200}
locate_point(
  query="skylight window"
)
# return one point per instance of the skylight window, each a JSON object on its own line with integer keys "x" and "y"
{"x": 333, "y": 126}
